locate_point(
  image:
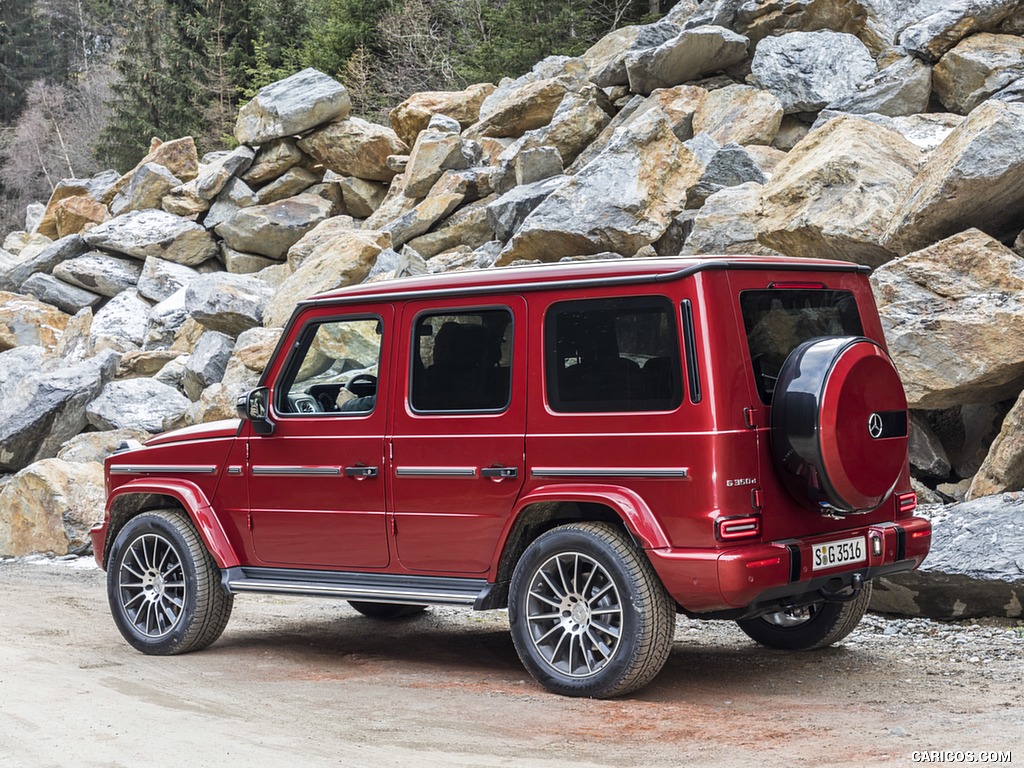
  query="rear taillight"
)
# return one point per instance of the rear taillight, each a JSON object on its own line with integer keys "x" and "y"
{"x": 733, "y": 528}
{"x": 906, "y": 502}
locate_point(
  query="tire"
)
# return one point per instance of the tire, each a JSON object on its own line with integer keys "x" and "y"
{"x": 588, "y": 614}
{"x": 386, "y": 610}
{"x": 164, "y": 586}
{"x": 807, "y": 629}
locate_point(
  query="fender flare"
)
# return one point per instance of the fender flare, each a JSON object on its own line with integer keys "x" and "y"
{"x": 195, "y": 504}
{"x": 631, "y": 508}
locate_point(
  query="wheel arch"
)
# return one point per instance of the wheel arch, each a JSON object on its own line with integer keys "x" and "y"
{"x": 136, "y": 497}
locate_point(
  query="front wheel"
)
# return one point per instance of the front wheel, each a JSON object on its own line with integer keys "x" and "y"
{"x": 588, "y": 614}
{"x": 164, "y": 586}
{"x": 811, "y": 627}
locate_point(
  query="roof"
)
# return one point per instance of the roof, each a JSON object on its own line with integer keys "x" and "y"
{"x": 570, "y": 274}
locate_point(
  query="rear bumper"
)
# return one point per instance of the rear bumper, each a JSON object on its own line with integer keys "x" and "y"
{"x": 750, "y": 579}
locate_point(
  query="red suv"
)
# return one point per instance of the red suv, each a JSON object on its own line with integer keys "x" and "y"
{"x": 594, "y": 446}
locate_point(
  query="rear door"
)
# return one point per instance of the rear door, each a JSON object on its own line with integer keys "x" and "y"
{"x": 458, "y": 431}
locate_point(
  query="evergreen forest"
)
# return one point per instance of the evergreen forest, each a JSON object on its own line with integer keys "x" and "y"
{"x": 86, "y": 84}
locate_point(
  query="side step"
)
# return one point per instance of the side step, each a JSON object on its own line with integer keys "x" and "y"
{"x": 371, "y": 587}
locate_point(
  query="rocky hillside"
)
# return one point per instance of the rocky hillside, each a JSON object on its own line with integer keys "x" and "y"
{"x": 882, "y": 132}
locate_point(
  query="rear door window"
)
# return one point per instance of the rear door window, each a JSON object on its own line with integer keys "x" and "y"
{"x": 779, "y": 320}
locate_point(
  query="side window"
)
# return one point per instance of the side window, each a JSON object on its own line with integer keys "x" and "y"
{"x": 608, "y": 355}
{"x": 334, "y": 369}
{"x": 461, "y": 361}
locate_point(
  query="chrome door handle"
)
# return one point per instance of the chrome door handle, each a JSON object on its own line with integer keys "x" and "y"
{"x": 499, "y": 473}
{"x": 360, "y": 472}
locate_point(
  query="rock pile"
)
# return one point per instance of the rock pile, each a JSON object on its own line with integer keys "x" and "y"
{"x": 891, "y": 134}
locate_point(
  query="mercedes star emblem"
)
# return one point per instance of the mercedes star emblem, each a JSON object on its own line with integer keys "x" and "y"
{"x": 875, "y": 425}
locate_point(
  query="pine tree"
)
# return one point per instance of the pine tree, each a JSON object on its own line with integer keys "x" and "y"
{"x": 26, "y": 54}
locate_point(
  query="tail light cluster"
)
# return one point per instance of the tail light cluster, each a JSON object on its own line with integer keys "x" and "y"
{"x": 734, "y": 528}
{"x": 906, "y": 502}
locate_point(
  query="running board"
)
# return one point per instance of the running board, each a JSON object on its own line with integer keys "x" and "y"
{"x": 371, "y": 587}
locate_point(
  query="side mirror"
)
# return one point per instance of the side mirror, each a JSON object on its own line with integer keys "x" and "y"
{"x": 252, "y": 406}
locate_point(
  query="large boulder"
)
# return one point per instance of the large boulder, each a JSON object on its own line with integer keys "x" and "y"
{"x": 161, "y": 278}
{"x": 1003, "y": 467}
{"x": 273, "y": 159}
{"x": 434, "y": 153}
{"x": 729, "y": 166}
{"x": 355, "y": 147}
{"x": 977, "y": 68}
{"x": 529, "y": 106}
{"x": 145, "y": 189}
{"x": 412, "y": 115}
{"x": 100, "y": 273}
{"x": 121, "y": 323}
{"x": 837, "y": 190}
{"x": 807, "y": 70}
{"x": 24, "y": 320}
{"x": 49, "y": 508}
{"x": 213, "y": 177}
{"x": 507, "y": 213}
{"x": 953, "y": 315}
{"x": 97, "y": 446}
{"x": 207, "y": 363}
{"x": 292, "y": 106}
{"x": 727, "y": 223}
{"x": 606, "y": 59}
{"x": 621, "y": 201}
{"x": 975, "y": 178}
{"x": 739, "y": 113}
{"x": 902, "y": 88}
{"x": 95, "y": 188}
{"x": 685, "y": 57}
{"x": 974, "y": 569}
{"x": 421, "y": 218}
{"x": 952, "y": 21}
{"x": 926, "y": 131}
{"x": 270, "y": 230}
{"x": 42, "y": 260}
{"x": 154, "y": 233}
{"x": 42, "y": 410}
{"x": 178, "y": 156}
{"x": 75, "y": 214}
{"x": 64, "y": 296}
{"x": 227, "y": 303}
{"x": 136, "y": 404}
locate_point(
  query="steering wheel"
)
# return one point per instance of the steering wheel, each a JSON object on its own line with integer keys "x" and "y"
{"x": 363, "y": 381}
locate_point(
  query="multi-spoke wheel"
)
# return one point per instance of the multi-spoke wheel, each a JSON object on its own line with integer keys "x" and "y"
{"x": 589, "y": 616}
{"x": 810, "y": 627}
{"x": 164, "y": 587}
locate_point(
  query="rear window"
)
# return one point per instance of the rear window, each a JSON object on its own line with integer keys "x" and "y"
{"x": 609, "y": 355}
{"x": 778, "y": 320}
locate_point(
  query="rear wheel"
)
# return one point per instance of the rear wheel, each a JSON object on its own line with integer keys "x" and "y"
{"x": 814, "y": 626}
{"x": 164, "y": 587}
{"x": 588, "y": 615}
{"x": 386, "y": 610}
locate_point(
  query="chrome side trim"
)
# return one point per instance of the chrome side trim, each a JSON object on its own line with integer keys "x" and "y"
{"x": 163, "y": 469}
{"x": 234, "y": 470}
{"x": 435, "y": 471}
{"x": 295, "y": 471}
{"x": 636, "y": 472}
{"x": 413, "y": 596}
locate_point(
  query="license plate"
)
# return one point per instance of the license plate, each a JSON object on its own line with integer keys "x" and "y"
{"x": 835, "y": 553}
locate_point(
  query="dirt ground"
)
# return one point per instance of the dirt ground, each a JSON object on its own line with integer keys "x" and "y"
{"x": 306, "y": 682}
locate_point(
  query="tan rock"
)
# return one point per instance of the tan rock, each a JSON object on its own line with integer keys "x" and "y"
{"x": 739, "y": 113}
{"x": 976, "y": 68}
{"x": 953, "y": 315}
{"x": 74, "y": 214}
{"x": 255, "y": 347}
{"x": 362, "y": 197}
{"x": 727, "y": 223}
{"x": 1003, "y": 467}
{"x": 421, "y": 218}
{"x": 531, "y": 106}
{"x": 97, "y": 446}
{"x": 433, "y": 154}
{"x": 273, "y": 159}
{"x": 341, "y": 261}
{"x": 292, "y": 182}
{"x": 147, "y": 362}
{"x": 975, "y": 178}
{"x": 49, "y": 507}
{"x": 466, "y": 227}
{"x": 178, "y": 156}
{"x": 834, "y": 194}
{"x": 355, "y": 147}
{"x": 185, "y": 201}
{"x": 412, "y": 115}
{"x": 324, "y": 233}
{"x": 579, "y": 119}
{"x": 24, "y": 320}
{"x": 67, "y": 188}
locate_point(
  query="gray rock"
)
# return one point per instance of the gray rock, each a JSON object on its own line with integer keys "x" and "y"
{"x": 537, "y": 164}
{"x": 270, "y": 230}
{"x": 172, "y": 373}
{"x": 239, "y": 263}
{"x": 136, "y": 404}
{"x": 729, "y": 166}
{"x": 44, "y": 408}
{"x": 213, "y": 177}
{"x": 207, "y": 363}
{"x": 1014, "y": 92}
{"x": 727, "y": 223}
{"x": 33, "y": 215}
{"x": 235, "y": 196}
{"x": 154, "y": 233}
{"x": 927, "y": 455}
{"x": 17, "y": 363}
{"x": 75, "y": 343}
{"x": 443, "y": 124}
{"x": 292, "y": 182}
{"x": 931, "y": 37}
{"x": 292, "y": 106}
{"x": 122, "y": 321}
{"x": 66, "y": 297}
{"x": 679, "y": 229}
{"x": 227, "y": 303}
{"x": 160, "y": 278}
{"x": 606, "y": 59}
{"x": 508, "y": 212}
{"x": 807, "y": 70}
{"x": 97, "y": 446}
{"x": 362, "y": 197}
{"x": 165, "y": 320}
{"x": 145, "y": 189}
{"x": 685, "y": 57}
{"x": 902, "y": 88}
{"x": 974, "y": 569}
{"x": 925, "y": 131}
{"x": 100, "y": 273}
{"x": 66, "y": 248}
{"x": 273, "y": 159}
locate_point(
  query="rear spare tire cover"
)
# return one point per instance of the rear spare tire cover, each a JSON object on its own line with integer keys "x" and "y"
{"x": 839, "y": 424}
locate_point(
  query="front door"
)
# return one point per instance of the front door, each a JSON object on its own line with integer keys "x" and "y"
{"x": 316, "y": 485}
{"x": 459, "y": 431}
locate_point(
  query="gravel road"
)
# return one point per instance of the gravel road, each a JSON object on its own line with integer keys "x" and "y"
{"x": 305, "y": 682}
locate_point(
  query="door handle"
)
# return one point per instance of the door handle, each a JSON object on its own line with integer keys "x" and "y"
{"x": 499, "y": 473}
{"x": 360, "y": 472}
